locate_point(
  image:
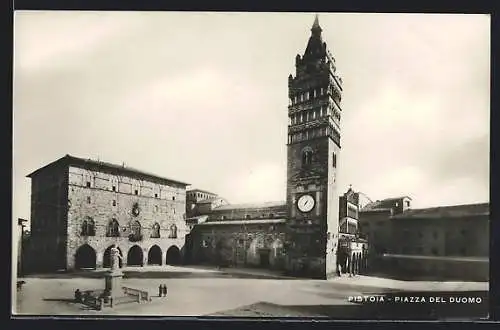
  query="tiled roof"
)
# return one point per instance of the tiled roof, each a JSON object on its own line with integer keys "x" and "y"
{"x": 244, "y": 222}
{"x": 76, "y": 161}
{"x": 208, "y": 200}
{"x": 199, "y": 219}
{"x": 382, "y": 205}
{"x": 375, "y": 208}
{"x": 455, "y": 211}
{"x": 395, "y": 198}
{"x": 202, "y": 191}
{"x": 250, "y": 206}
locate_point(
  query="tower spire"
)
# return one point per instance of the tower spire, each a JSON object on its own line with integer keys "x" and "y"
{"x": 316, "y": 29}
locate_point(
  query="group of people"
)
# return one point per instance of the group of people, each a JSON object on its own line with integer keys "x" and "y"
{"x": 162, "y": 290}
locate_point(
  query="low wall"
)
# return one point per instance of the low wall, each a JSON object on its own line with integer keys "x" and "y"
{"x": 432, "y": 268}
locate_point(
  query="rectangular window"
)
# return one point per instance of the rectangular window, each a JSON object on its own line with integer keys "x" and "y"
{"x": 156, "y": 195}
{"x": 88, "y": 200}
{"x": 114, "y": 203}
{"x": 173, "y": 198}
{"x": 314, "y": 93}
{"x": 88, "y": 184}
{"x": 114, "y": 188}
{"x": 136, "y": 192}
{"x": 307, "y": 96}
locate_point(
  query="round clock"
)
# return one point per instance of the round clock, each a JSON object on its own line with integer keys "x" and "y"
{"x": 306, "y": 203}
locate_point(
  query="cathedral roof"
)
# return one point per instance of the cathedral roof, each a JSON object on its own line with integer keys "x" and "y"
{"x": 251, "y": 206}
{"x": 243, "y": 222}
{"x": 209, "y": 200}
{"x": 455, "y": 211}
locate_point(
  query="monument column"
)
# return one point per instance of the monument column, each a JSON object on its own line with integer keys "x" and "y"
{"x": 113, "y": 278}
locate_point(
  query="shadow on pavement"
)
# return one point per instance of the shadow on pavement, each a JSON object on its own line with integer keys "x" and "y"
{"x": 155, "y": 274}
{"x": 379, "y": 310}
{"x": 66, "y": 300}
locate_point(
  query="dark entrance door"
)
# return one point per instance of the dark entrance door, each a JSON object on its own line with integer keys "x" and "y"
{"x": 135, "y": 256}
{"x": 154, "y": 255}
{"x": 173, "y": 256}
{"x": 85, "y": 257}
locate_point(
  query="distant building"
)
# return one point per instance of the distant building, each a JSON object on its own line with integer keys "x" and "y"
{"x": 242, "y": 235}
{"x": 440, "y": 242}
{"x": 81, "y": 207}
{"x": 446, "y": 241}
{"x": 375, "y": 225}
{"x": 199, "y": 202}
{"x": 352, "y": 243}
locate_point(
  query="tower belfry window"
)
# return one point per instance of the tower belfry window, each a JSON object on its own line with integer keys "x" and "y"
{"x": 307, "y": 157}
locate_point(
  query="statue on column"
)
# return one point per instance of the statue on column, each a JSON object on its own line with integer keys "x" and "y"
{"x": 115, "y": 257}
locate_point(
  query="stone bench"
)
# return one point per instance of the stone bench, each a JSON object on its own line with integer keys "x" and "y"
{"x": 141, "y": 295}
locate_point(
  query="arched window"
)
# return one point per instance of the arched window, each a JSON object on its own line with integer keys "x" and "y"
{"x": 156, "y": 231}
{"x": 135, "y": 228}
{"x": 135, "y": 232}
{"x": 173, "y": 231}
{"x": 113, "y": 229}
{"x": 307, "y": 155}
{"x": 88, "y": 227}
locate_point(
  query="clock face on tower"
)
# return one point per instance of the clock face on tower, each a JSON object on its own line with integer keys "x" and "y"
{"x": 306, "y": 203}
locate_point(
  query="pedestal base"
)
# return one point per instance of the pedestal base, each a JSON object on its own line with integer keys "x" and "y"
{"x": 113, "y": 283}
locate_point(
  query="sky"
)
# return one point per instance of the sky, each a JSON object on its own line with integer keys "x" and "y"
{"x": 202, "y": 98}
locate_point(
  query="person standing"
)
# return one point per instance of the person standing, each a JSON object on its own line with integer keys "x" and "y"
{"x": 353, "y": 264}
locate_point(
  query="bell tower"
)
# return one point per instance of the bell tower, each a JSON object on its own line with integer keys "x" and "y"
{"x": 312, "y": 151}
